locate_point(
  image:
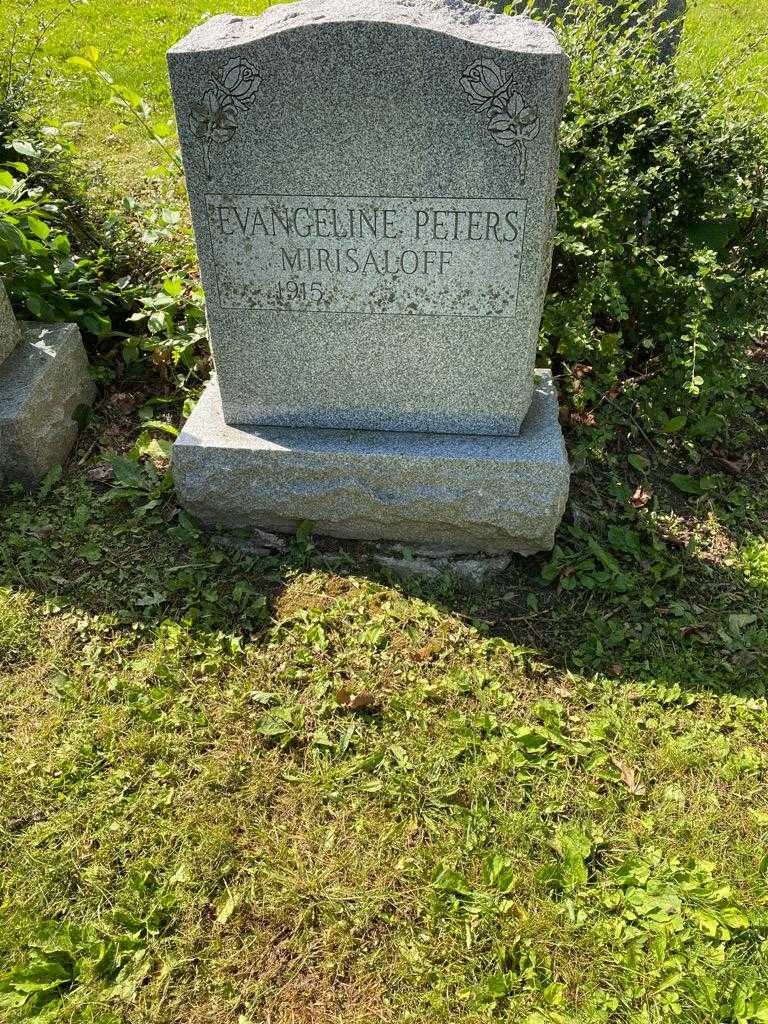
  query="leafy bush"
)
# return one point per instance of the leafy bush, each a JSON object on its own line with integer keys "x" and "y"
{"x": 64, "y": 258}
{"x": 47, "y": 276}
{"x": 65, "y": 254}
{"x": 661, "y": 259}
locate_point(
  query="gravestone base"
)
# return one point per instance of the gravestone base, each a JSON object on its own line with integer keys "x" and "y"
{"x": 42, "y": 383}
{"x": 460, "y": 493}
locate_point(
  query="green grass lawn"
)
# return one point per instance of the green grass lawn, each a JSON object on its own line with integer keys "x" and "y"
{"x": 287, "y": 789}
{"x": 549, "y": 804}
{"x": 716, "y": 30}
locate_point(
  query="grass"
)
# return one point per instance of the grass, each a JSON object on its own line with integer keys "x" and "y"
{"x": 548, "y": 804}
{"x": 715, "y": 29}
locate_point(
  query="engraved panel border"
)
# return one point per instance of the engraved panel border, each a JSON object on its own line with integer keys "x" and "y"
{"x": 518, "y": 202}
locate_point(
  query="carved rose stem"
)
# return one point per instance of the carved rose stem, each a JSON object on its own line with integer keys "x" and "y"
{"x": 512, "y": 120}
{"x": 231, "y": 89}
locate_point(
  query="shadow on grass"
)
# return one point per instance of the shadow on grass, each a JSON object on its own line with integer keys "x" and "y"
{"x": 638, "y": 603}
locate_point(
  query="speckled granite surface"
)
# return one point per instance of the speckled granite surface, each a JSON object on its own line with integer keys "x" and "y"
{"x": 10, "y": 331}
{"x": 458, "y": 493}
{"x": 372, "y": 189}
{"x": 42, "y": 383}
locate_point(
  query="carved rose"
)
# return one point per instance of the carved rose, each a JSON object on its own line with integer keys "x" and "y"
{"x": 511, "y": 121}
{"x": 484, "y": 83}
{"x": 238, "y": 81}
{"x": 212, "y": 120}
{"x": 517, "y": 123}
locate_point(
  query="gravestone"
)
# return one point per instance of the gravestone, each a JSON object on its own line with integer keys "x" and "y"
{"x": 10, "y": 331}
{"x": 372, "y": 190}
{"x": 669, "y": 19}
{"x": 43, "y": 379}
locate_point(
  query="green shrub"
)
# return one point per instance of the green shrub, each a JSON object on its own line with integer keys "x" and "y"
{"x": 58, "y": 264}
{"x": 65, "y": 253}
{"x": 63, "y": 257}
{"x": 49, "y": 274}
{"x": 660, "y": 265}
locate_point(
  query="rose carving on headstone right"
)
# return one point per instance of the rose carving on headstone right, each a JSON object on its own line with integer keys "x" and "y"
{"x": 232, "y": 89}
{"x": 485, "y": 84}
{"x": 513, "y": 121}
{"x": 516, "y": 124}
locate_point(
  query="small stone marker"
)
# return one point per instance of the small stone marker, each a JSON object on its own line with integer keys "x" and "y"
{"x": 10, "y": 331}
{"x": 372, "y": 189}
{"x": 42, "y": 382}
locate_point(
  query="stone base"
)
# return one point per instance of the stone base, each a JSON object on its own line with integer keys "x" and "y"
{"x": 42, "y": 382}
{"x": 459, "y": 493}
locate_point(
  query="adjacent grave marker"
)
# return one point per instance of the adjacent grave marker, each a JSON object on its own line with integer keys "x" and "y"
{"x": 372, "y": 188}
{"x": 10, "y": 330}
{"x": 43, "y": 379}
{"x": 669, "y": 15}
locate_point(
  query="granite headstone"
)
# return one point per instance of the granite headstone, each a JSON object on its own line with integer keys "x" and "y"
{"x": 372, "y": 189}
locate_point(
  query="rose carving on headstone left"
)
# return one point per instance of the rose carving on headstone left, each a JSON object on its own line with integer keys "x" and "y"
{"x": 232, "y": 89}
{"x": 512, "y": 120}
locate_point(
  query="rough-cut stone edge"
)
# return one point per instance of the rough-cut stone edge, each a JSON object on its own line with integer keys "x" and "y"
{"x": 451, "y": 17}
{"x": 453, "y": 492}
{"x": 41, "y": 385}
{"x": 10, "y": 330}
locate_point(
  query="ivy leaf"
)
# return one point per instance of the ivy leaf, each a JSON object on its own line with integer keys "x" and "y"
{"x": 673, "y": 425}
{"x": 448, "y": 880}
{"x": 639, "y": 462}
{"x": 80, "y": 62}
{"x": 686, "y": 484}
{"x": 60, "y": 244}
{"x": 38, "y": 227}
{"x": 23, "y": 147}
